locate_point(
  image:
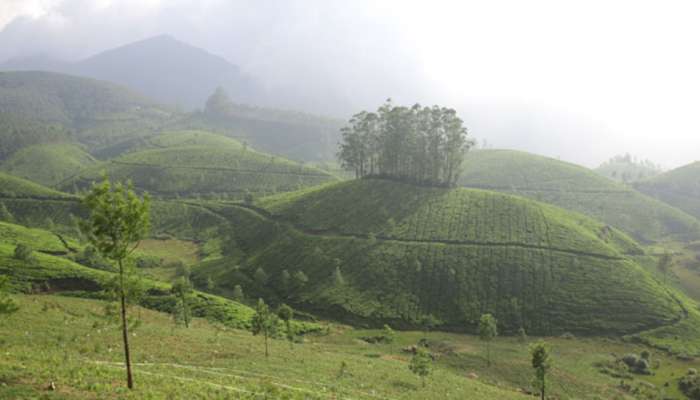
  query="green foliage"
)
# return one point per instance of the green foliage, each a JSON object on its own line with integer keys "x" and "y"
{"x": 578, "y": 189}
{"x": 690, "y": 386}
{"x": 7, "y": 304}
{"x": 488, "y": 330}
{"x": 118, "y": 221}
{"x": 665, "y": 264}
{"x": 388, "y": 334}
{"x": 541, "y": 363}
{"x": 261, "y": 276}
{"x": 5, "y": 214}
{"x": 99, "y": 113}
{"x": 202, "y": 164}
{"x": 238, "y": 293}
{"x": 628, "y": 169}
{"x": 182, "y": 290}
{"x": 12, "y": 186}
{"x": 264, "y": 322}
{"x": 286, "y": 314}
{"x": 416, "y": 144}
{"x": 24, "y": 253}
{"x": 534, "y": 265}
{"x": 679, "y": 187}
{"x": 48, "y": 164}
{"x": 421, "y": 363}
{"x": 17, "y": 132}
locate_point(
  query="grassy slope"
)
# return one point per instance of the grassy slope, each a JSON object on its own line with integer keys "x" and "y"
{"x": 100, "y": 113}
{"x": 193, "y": 162}
{"x": 11, "y": 186}
{"x": 70, "y": 342}
{"x": 576, "y": 188}
{"x": 54, "y": 273}
{"x": 679, "y": 188}
{"x": 48, "y": 164}
{"x": 452, "y": 253}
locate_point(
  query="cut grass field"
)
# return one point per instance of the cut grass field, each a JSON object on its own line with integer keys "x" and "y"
{"x": 69, "y": 342}
{"x": 576, "y": 188}
{"x": 405, "y": 252}
{"x": 194, "y": 163}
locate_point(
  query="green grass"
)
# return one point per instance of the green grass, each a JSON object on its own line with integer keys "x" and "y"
{"x": 69, "y": 342}
{"x": 12, "y": 186}
{"x": 100, "y": 113}
{"x": 576, "y": 188}
{"x": 453, "y": 253}
{"x": 679, "y": 188}
{"x": 193, "y": 163}
{"x": 47, "y": 164}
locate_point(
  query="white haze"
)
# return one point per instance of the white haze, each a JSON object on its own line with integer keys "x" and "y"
{"x": 579, "y": 80}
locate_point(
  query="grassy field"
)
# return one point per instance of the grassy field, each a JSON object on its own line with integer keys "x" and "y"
{"x": 679, "y": 188}
{"x": 48, "y": 164}
{"x": 576, "y": 188}
{"x": 71, "y": 343}
{"x": 404, "y": 252}
{"x": 200, "y": 164}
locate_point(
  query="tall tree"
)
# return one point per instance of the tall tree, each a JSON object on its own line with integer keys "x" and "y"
{"x": 118, "y": 220}
{"x": 488, "y": 330}
{"x": 665, "y": 263}
{"x": 182, "y": 290}
{"x": 264, "y": 322}
{"x": 541, "y": 363}
{"x": 286, "y": 313}
{"x": 417, "y": 144}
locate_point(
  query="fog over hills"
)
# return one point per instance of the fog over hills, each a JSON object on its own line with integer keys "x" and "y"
{"x": 533, "y": 76}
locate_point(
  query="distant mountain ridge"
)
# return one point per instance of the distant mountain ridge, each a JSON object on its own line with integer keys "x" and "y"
{"x": 160, "y": 67}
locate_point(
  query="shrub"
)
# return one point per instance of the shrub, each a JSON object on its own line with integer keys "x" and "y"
{"x": 690, "y": 386}
{"x": 24, "y": 252}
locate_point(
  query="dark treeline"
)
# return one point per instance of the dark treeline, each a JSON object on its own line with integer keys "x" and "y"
{"x": 424, "y": 145}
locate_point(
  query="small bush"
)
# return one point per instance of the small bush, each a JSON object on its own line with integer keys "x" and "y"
{"x": 690, "y": 386}
{"x": 24, "y": 253}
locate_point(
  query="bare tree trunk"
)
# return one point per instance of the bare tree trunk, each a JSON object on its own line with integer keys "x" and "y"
{"x": 267, "y": 353}
{"x": 125, "y": 328}
{"x": 542, "y": 392}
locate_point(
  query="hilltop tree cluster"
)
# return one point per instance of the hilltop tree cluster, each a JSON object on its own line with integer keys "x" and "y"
{"x": 418, "y": 144}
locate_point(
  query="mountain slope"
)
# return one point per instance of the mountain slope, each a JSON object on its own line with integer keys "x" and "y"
{"x": 48, "y": 164}
{"x": 576, "y": 188}
{"x": 12, "y": 186}
{"x": 200, "y": 163}
{"x": 99, "y": 113}
{"x": 679, "y": 188}
{"x": 160, "y": 67}
{"x": 377, "y": 251}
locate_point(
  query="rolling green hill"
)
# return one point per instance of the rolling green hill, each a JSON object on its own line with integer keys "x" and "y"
{"x": 48, "y": 164}
{"x": 12, "y": 186}
{"x": 376, "y": 251}
{"x": 579, "y": 189}
{"x": 99, "y": 113}
{"x": 627, "y": 169}
{"x": 17, "y": 132}
{"x": 193, "y": 163}
{"x": 679, "y": 188}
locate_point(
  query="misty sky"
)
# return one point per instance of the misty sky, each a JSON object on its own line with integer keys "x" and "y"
{"x": 579, "y": 80}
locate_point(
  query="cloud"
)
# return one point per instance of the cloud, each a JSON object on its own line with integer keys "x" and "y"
{"x": 580, "y": 80}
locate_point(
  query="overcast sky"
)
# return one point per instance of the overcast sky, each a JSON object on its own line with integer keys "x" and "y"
{"x": 579, "y": 80}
